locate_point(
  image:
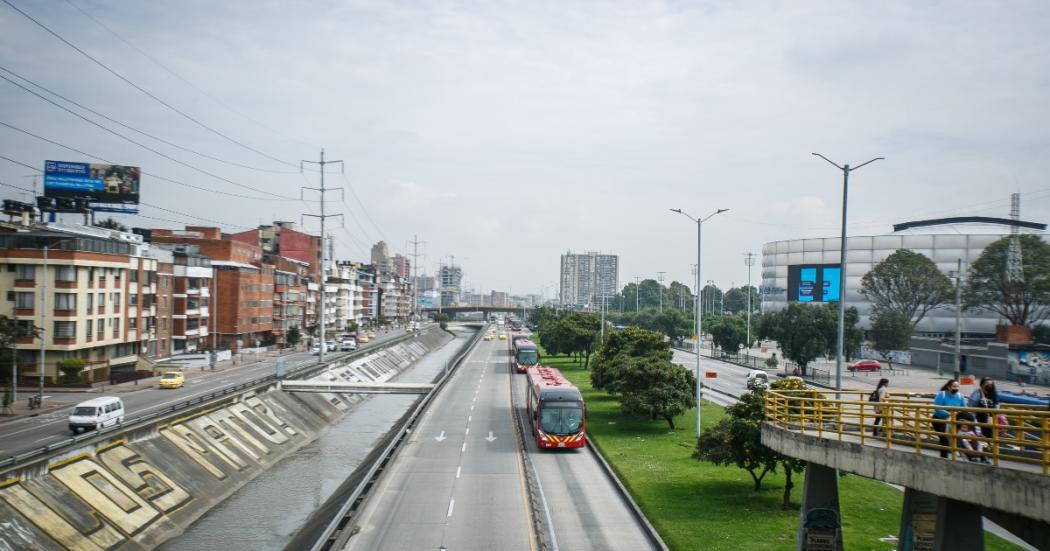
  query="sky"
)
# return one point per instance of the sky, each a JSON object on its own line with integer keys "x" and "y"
{"x": 505, "y": 134}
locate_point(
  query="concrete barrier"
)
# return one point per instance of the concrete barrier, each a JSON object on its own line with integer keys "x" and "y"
{"x": 139, "y": 487}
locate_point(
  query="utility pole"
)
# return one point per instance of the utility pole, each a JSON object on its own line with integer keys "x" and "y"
{"x": 43, "y": 328}
{"x": 958, "y": 321}
{"x": 637, "y": 287}
{"x": 660, "y": 278}
{"x": 322, "y": 217}
{"x": 415, "y": 274}
{"x": 840, "y": 338}
{"x": 750, "y": 261}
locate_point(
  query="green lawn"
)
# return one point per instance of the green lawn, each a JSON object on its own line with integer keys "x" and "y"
{"x": 696, "y": 505}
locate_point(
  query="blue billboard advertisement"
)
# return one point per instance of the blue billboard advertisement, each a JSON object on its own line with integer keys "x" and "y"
{"x": 814, "y": 283}
{"x": 98, "y": 183}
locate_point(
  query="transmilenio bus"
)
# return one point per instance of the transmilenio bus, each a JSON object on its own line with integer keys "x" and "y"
{"x": 556, "y": 410}
{"x": 524, "y": 354}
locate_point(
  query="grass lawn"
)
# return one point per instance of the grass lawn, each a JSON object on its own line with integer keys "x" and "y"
{"x": 696, "y": 505}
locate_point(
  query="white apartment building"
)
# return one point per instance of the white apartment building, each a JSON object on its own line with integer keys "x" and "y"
{"x": 585, "y": 278}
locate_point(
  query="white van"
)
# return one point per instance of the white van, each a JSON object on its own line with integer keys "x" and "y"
{"x": 96, "y": 413}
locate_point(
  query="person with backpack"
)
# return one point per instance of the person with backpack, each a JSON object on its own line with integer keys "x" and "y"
{"x": 985, "y": 396}
{"x": 877, "y": 396}
{"x": 949, "y": 396}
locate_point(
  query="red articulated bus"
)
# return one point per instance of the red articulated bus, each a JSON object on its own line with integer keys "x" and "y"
{"x": 524, "y": 354}
{"x": 556, "y": 410}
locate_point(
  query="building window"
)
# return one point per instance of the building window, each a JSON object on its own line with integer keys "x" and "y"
{"x": 133, "y": 324}
{"x": 116, "y": 275}
{"x": 133, "y": 276}
{"x": 65, "y": 301}
{"x": 25, "y": 271}
{"x": 102, "y": 300}
{"x": 89, "y": 326}
{"x": 116, "y": 300}
{"x": 114, "y": 323}
{"x": 90, "y": 301}
{"x": 65, "y": 273}
{"x": 65, "y": 329}
{"x": 163, "y": 324}
{"x": 24, "y": 300}
{"x": 133, "y": 299}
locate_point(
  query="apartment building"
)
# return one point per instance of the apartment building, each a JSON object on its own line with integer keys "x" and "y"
{"x": 290, "y": 279}
{"x": 585, "y": 278}
{"x": 451, "y": 284}
{"x": 241, "y": 295}
{"x": 165, "y": 288}
{"x": 190, "y": 298}
{"x": 90, "y": 291}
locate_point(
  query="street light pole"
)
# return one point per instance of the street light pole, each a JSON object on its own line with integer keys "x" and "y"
{"x": 699, "y": 250}
{"x": 43, "y": 327}
{"x": 842, "y": 266}
{"x": 750, "y": 261}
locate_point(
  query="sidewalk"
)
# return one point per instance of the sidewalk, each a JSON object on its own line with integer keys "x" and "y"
{"x": 905, "y": 378}
{"x": 195, "y": 371}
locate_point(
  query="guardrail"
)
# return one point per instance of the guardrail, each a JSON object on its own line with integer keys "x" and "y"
{"x": 339, "y": 530}
{"x": 1014, "y": 437}
{"x": 129, "y": 423}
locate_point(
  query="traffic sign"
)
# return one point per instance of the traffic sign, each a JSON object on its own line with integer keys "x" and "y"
{"x": 710, "y": 374}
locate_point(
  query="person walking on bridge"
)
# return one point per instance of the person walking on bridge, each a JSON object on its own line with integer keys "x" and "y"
{"x": 879, "y": 395}
{"x": 948, "y": 396}
{"x": 985, "y": 396}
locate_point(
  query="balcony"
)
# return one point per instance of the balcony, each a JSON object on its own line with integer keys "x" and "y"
{"x": 25, "y": 312}
{"x": 100, "y": 336}
{"x": 65, "y": 340}
{"x": 65, "y": 285}
{"x": 205, "y": 292}
{"x": 64, "y": 313}
{"x": 25, "y": 283}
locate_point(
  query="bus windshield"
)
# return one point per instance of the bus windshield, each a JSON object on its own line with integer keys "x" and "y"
{"x": 561, "y": 418}
{"x": 528, "y": 357}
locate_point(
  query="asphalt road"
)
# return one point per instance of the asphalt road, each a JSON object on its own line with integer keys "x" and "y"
{"x": 731, "y": 379}
{"x": 457, "y": 483}
{"x": 28, "y": 433}
{"x": 584, "y": 507}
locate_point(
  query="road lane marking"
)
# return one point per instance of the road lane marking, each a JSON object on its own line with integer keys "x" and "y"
{"x": 451, "y": 506}
{"x": 464, "y": 448}
{"x": 440, "y": 437}
{"x": 458, "y": 470}
{"x": 468, "y": 431}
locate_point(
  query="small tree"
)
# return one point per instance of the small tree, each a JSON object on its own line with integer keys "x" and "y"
{"x": 656, "y": 387}
{"x": 351, "y": 327}
{"x": 294, "y": 336}
{"x": 111, "y": 224}
{"x": 619, "y": 348}
{"x": 728, "y": 332}
{"x": 71, "y": 368}
{"x": 801, "y": 330}
{"x": 737, "y": 440}
{"x": 890, "y": 331}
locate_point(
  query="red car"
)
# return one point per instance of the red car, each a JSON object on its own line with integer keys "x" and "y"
{"x": 865, "y": 365}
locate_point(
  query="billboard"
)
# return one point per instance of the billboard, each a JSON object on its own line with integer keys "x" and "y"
{"x": 98, "y": 183}
{"x": 814, "y": 283}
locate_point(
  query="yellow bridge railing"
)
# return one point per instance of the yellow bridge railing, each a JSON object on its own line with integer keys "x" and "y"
{"x": 1013, "y": 436}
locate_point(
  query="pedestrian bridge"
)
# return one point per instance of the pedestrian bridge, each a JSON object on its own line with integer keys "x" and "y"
{"x": 945, "y": 498}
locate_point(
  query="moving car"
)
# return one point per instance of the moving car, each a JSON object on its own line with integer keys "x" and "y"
{"x": 865, "y": 365}
{"x": 502, "y": 336}
{"x": 332, "y": 347}
{"x": 363, "y": 339}
{"x": 489, "y": 336}
{"x": 756, "y": 378}
{"x": 348, "y": 344}
{"x": 96, "y": 413}
{"x": 316, "y": 350}
{"x": 172, "y": 379}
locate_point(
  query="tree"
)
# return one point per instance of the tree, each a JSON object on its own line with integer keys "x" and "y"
{"x": 294, "y": 336}
{"x": 351, "y": 327}
{"x": 890, "y": 331}
{"x": 1024, "y": 303}
{"x": 736, "y": 300}
{"x": 11, "y": 330}
{"x": 619, "y": 347}
{"x": 712, "y": 298}
{"x": 71, "y": 368}
{"x": 111, "y": 224}
{"x": 737, "y": 440}
{"x": 442, "y": 320}
{"x": 801, "y": 330}
{"x": 673, "y": 323}
{"x": 729, "y": 332}
{"x": 906, "y": 285}
{"x": 656, "y": 387}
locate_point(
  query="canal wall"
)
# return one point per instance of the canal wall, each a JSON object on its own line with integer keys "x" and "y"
{"x": 136, "y": 488}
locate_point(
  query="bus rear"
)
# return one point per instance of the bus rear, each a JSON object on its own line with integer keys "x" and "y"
{"x": 556, "y": 410}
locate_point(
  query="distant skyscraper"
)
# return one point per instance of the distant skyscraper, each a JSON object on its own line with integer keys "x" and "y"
{"x": 585, "y": 278}
{"x": 402, "y": 266}
{"x": 451, "y": 280}
{"x": 381, "y": 257}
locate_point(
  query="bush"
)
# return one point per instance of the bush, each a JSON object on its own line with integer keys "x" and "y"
{"x": 71, "y": 368}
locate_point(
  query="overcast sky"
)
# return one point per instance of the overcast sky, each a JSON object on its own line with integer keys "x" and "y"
{"x": 506, "y": 133}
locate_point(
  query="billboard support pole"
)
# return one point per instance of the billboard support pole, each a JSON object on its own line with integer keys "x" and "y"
{"x": 840, "y": 337}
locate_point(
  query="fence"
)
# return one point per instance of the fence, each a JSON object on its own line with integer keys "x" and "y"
{"x": 1015, "y": 436}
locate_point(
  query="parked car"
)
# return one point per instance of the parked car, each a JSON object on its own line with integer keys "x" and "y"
{"x": 865, "y": 365}
{"x": 172, "y": 379}
{"x": 96, "y": 413}
{"x": 756, "y": 378}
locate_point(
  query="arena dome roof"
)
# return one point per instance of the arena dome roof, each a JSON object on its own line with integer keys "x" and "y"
{"x": 967, "y": 225}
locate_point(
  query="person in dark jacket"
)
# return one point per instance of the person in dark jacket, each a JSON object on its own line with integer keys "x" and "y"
{"x": 985, "y": 396}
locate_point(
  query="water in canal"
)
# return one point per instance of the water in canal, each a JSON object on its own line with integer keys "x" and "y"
{"x": 266, "y": 512}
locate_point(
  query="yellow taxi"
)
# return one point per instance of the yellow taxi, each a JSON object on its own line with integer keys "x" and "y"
{"x": 362, "y": 339}
{"x": 502, "y": 336}
{"x": 172, "y": 379}
{"x": 489, "y": 336}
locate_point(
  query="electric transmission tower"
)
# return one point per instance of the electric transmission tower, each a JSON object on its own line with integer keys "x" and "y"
{"x": 415, "y": 273}
{"x": 322, "y": 217}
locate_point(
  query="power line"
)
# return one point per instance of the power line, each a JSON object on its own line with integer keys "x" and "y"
{"x": 359, "y": 202}
{"x": 166, "y": 179}
{"x": 141, "y": 89}
{"x": 142, "y": 132}
{"x": 186, "y": 81}
{"x": 143, "y": 146}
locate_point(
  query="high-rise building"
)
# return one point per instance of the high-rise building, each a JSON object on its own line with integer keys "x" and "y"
{"x": 401, "y": 266}
{"x": 585, "y": 278}
{"x": 451, "y": 284}
{"x": 381, "y": 257}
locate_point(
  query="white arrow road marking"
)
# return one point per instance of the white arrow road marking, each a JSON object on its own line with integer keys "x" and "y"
{"x": 490, "y": 438}
{"x": 440, "y": 437}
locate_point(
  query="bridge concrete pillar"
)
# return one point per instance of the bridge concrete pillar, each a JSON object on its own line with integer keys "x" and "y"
{"x": 918, "y": 520}
{"x": 959, "y": 526}
{"x": 819, "y": 524}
